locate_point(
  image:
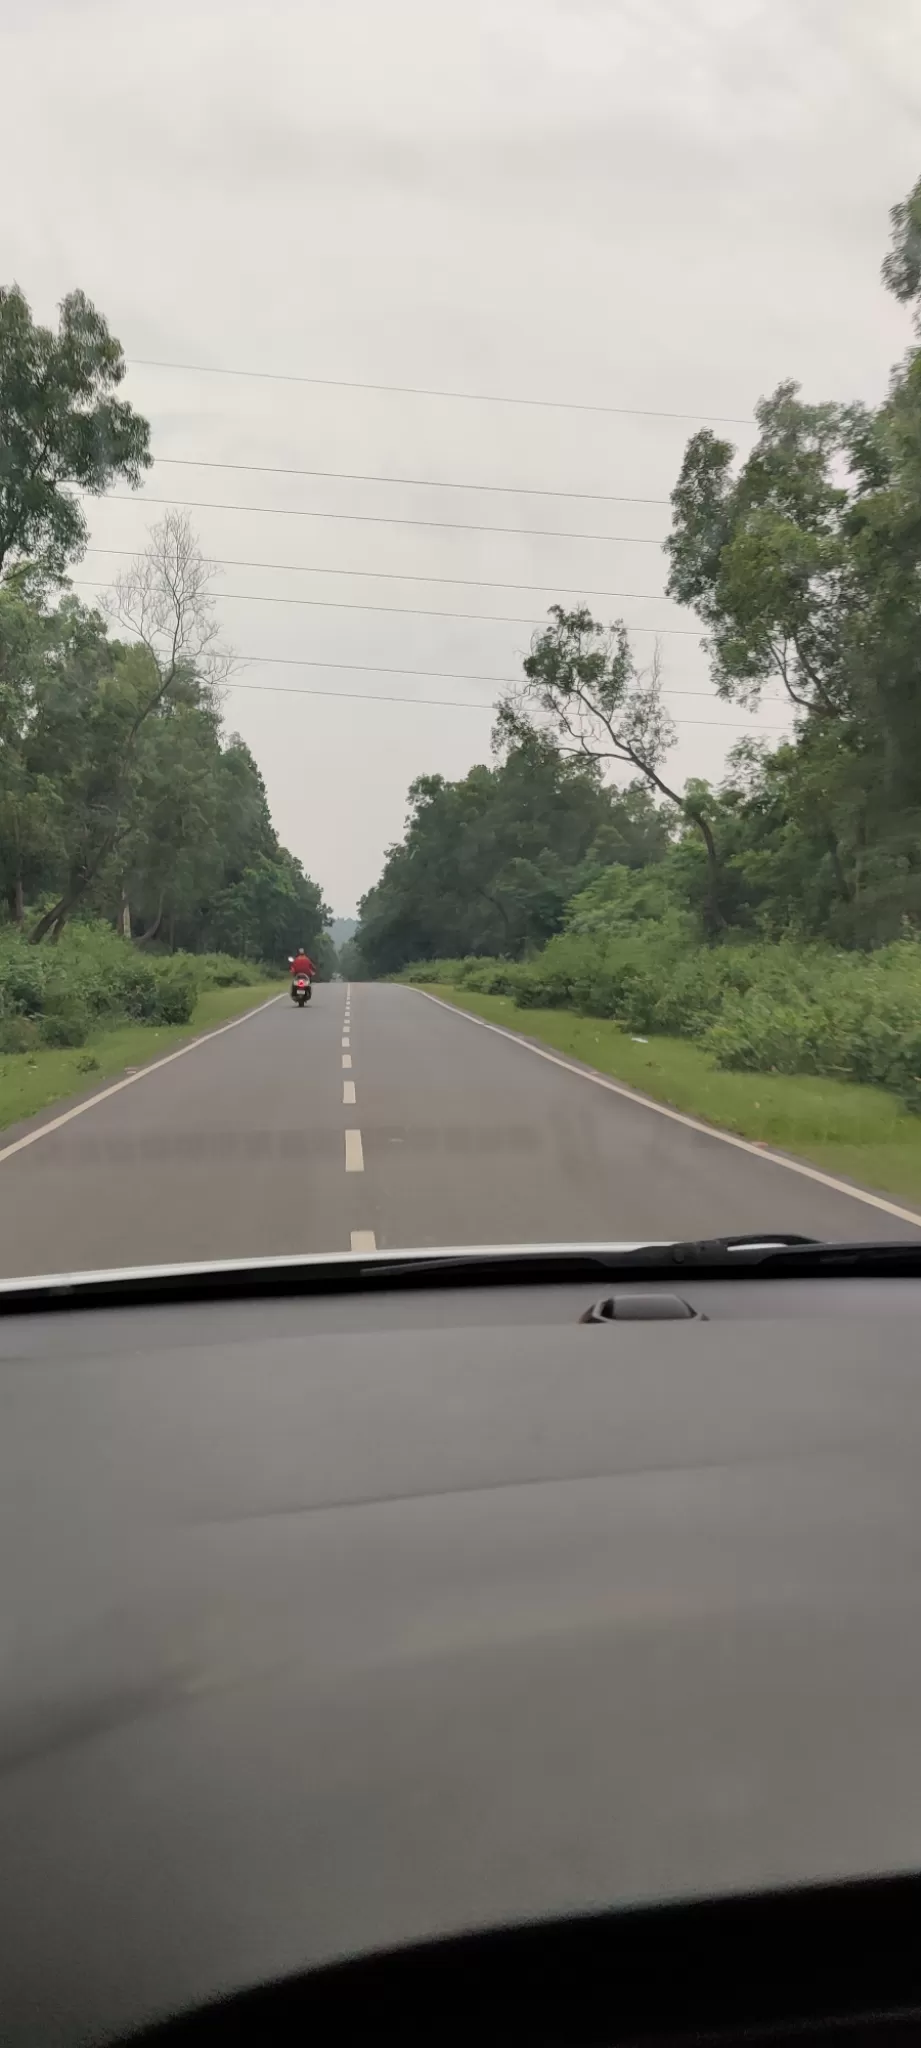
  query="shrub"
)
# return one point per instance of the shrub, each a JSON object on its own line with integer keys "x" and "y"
{"x": 221, "y": 970}
{"x": 18, "y": 1034}
{"x": 67, "y": 1026}
{"x": 176, "y": 991}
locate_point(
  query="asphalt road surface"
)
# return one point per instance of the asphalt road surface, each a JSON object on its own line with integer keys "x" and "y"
{"x": 378, "y": 1117}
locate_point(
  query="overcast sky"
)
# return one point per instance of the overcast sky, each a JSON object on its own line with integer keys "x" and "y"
{"x": 663, "y": 204}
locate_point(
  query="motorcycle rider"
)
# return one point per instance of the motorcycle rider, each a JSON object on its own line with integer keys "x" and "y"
{"x": 302, "y": 964}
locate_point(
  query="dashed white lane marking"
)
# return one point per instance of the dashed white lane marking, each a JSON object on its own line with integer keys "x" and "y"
{"x": 348, "y": 1091}
{"x": 346, "y": 1043}
{"x": 677, "y": 1116}
{"x": 354, "y": 1156}
{"x": 346, "y": 1061}
{"x": 55, "y": 1123}
{"x": 364, "y": 1241}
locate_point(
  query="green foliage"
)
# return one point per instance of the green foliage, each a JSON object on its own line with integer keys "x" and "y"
{"x": 19, "y": 1034}
{"x": 120, "y": 795}
{"x": 66, "y": 1026}
{"x": 93, "y": 976}
{"x": 177, "y": 990}
{"x": 269, "y": 910}
{"x": 114, "y": 793}
{"x": 60, "y": 425}
{"x": 489, "y": 863}
{"x": 221, "y": 970}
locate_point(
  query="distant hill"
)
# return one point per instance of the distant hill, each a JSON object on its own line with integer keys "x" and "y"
{"x": 342, "y": 928}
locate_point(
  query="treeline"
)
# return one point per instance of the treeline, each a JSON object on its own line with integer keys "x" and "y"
{"x": 122, "y": 798}
{"x": 803, "y": 563}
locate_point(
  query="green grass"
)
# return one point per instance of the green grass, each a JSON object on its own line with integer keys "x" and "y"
{"x": 30, "y": 1081}
{"x": 863, "y": 1134}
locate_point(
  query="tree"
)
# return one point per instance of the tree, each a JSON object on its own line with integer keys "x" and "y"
{"x": 60, "y": 426}
{"x": 489, "y": 863}
{"x": 272, "y": 909}
{"x": 164, "y": 599}
{"x": 30, "y": 838}
{"x": 585, "y": 684}
{"x": 902, "y": 264}
{"x": 804, "y": 564}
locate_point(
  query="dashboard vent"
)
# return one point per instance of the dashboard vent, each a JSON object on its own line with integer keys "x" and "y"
{"x": 641, "y": 1308}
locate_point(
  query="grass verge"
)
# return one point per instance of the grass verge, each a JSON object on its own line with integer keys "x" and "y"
{"x": 863, "y": 1134}
{"x": 30, "y": 1081}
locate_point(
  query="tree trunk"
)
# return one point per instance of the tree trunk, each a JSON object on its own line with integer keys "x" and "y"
{"x": 124, "y": 916}
{"x": 55, "y": 918}
{"x": 144, "y": 938}
{"x": 14, "y": 898}
{"x": 838, "y": 868}
{"x": 714, "y": 920}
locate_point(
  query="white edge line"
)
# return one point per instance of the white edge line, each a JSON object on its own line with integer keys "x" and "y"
{"x": 677, "y": 1116}
{"x": 55, "y": 1123}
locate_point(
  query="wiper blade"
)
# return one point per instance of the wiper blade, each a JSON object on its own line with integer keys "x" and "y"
{"x": 702, "y": 1252}
{"x": 775, "y": 1254}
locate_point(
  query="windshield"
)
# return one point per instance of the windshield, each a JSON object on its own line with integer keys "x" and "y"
{"x": 459, "y": 482}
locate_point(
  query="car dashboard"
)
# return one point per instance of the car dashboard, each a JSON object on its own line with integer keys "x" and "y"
{"x": 423, "y": 1659}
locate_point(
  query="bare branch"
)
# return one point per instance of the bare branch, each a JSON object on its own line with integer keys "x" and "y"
{"x": 165, "y": 601}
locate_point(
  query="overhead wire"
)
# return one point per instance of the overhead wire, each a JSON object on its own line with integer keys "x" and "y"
{"x": 644, "y": 412}
{"x": 409, "y": 576}
{"x": 376, "y": 668}
{"x": 428, "y": 483}
{"x": 651, "y": 540}
{"x": 446, "y": 703}
{"x": 396, "y": 610}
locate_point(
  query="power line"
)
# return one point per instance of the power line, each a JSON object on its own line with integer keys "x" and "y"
{"x": 447, "y": 675}
{"x": 641, "y": 412}
{"x": 448, "y": 703}
{"x": 406, "y": 576}
{"x": 396, "y": 610}
{"x": 428, "y": 483}
{"x": 648, "y": 540}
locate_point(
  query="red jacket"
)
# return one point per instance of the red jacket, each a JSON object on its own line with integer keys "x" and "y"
{"x": 302, "y": 964}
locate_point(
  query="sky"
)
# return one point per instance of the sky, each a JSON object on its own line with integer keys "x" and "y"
{"x": 639, "y": 213}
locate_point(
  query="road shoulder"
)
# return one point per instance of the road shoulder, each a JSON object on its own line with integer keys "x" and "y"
{"x": 861, "y": 1137}
{"x": 34, "y": 1087}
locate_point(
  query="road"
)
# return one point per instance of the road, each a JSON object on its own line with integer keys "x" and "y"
{"x": 378, "y": 1117}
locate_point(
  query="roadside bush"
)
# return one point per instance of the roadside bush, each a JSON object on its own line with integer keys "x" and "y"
{"x": 176, "y": 992}
{"x": 67, "y": 1025}
{"x": 57, "y": 994}
{"x": 18, "y": 1034}
{"x": 221, "y": 970}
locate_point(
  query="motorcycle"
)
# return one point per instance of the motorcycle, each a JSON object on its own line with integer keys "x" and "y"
{"x": 300, "y": 988}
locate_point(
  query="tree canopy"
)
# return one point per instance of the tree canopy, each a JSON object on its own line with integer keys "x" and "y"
{"x": 120, "y": 793}
{"x": 60, "y": 425}
{"x": 489, "y": 863}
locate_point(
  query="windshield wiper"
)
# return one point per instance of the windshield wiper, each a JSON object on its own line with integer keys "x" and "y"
{"x": 774, "y": 1255}
{"x": 777, "y": 1254}
{"x": 700, "y": 1252}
